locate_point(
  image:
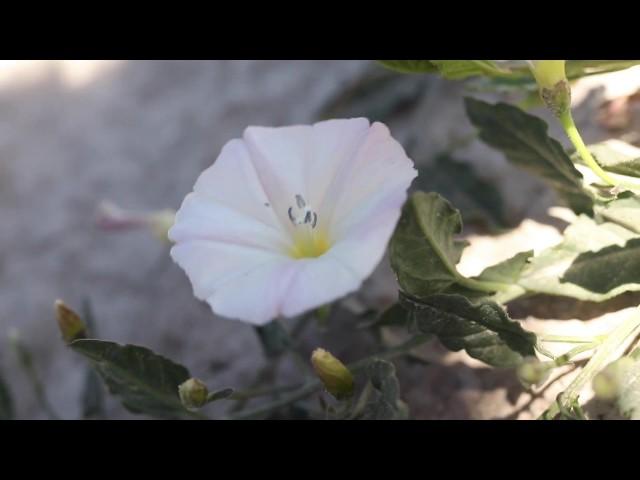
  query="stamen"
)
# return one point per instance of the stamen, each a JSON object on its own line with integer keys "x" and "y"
{"x": 307, "y": 215}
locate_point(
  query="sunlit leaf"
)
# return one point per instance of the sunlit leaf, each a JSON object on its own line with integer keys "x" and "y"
{"x": 588, "y": 248}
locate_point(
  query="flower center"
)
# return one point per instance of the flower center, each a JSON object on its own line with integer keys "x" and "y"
{"x": 308, "y": 242}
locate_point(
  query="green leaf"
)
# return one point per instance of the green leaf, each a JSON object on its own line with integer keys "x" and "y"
{"x": 6, "y": 402}
{"x": 477, "y": 199}
{"x": 393, "y": 316}
{"x": 145, "y": 381}
{"x": 523, "y": 139}
{"x": 607, "y": 269}
{"x": 274, "y": 338}
{"x": 582, "y": 68}
{"x": 516, "y": 71}
{"x": 384, "y": 402}
{"x": 618, "y": 157}
{"x": 624, "y": 211}
{"x": 508, "y": 271}
{"x": 482, "y": 329}
{"x": 584, "y": 251}
{"x": 423, "y": 250}
{"x": 458, "y": 69}
{"x": 410, "y": 66}
{"x": 92, "y": 396}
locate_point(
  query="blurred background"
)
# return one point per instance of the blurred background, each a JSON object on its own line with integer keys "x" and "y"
{"x": 138, "y": 133}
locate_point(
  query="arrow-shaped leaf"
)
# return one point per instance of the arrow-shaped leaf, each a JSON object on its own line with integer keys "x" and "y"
{"x": 145, "y": 381}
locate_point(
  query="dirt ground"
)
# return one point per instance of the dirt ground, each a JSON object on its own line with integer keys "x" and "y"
{"x": 138, "y": 133}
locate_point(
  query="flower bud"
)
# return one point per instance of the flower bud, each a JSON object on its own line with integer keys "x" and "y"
{"x": 113, "y": 218}
{"x": 533, "y": 372}
{"x": 71, "y": 325}
{"x": 553, "y": 84}
{"x": 336, "y": 378}
{"x": 160, "y": 223}
{"x": 193, "y": 394}
{"x": 608, "y": 383}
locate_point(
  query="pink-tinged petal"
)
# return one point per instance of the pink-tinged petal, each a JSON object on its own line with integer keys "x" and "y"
{"x": 232, "y": 182}
{"x": 202, "y": 218}
{"x": 279, "y": 156}
{"x": 380, "y": 164}
{"x": 318, "y": 281}
{"x": 304, "y": 159}
{"x": 257, "y": 295}
{"x": 209, "y": 265}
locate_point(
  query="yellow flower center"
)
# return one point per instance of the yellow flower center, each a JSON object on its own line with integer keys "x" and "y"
{"x": 308, "y": 241}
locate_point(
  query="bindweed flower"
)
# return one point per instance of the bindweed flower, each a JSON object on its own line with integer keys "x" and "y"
{"x": 336, "y": 378}
{"x": 553, "y": 84}
{"x": 288, "y": 219}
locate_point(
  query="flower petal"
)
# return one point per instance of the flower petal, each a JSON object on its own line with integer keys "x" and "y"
{"x": 209, "y": 265}
{"x": 380, "y": 164}
{"x": 232, "y": 181}
{"x": 303, "y": 159}
{"x": 257, "y": 295}
{"x": 202, "y": 218}
{"x": 318, "y": 281}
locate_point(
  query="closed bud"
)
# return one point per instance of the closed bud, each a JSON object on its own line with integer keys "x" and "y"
{"x": 533, "y": 372}
{"x": 193, "y": 394}
{"x": 71, "y": 325}
{"x": 553, "y": 84}
{"x": 608, "y": 383}
{"x": 113, "y": 218}
{"x": 336, "y": 378}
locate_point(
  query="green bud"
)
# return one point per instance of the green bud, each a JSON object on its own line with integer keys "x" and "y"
{"x": 193, "y": 394}
{"x": 336, "y": 378}
{"x": 553, "y": 84}
{"x": 71, "y": 325}
{"x": 533, "y": 372}
{"x": 608, "y": 383}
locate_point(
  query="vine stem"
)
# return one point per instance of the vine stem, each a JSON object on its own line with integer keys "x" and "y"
{"x": 608, "y": 347}
{"x": 568, "y": 339}
{"x": 314, "y": 385}
{"x": 566, "y": 119}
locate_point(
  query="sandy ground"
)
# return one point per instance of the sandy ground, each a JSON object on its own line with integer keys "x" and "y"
{"x": 139, "y": 133}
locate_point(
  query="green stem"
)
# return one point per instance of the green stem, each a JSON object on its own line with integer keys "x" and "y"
{"x": 608, "y": 347}
{"x": 26, "y": 362}
{"x": 509, "y": 294}
{"x": 566, "y": 119}
{"x": 567, "y": 357}
{"x": 569, "y": 339}
{"x": 314, "y": 385}
{"x": 481, "y": 285}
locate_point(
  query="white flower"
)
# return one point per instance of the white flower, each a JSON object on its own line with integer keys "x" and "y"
{"x": 288, "y": 219}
